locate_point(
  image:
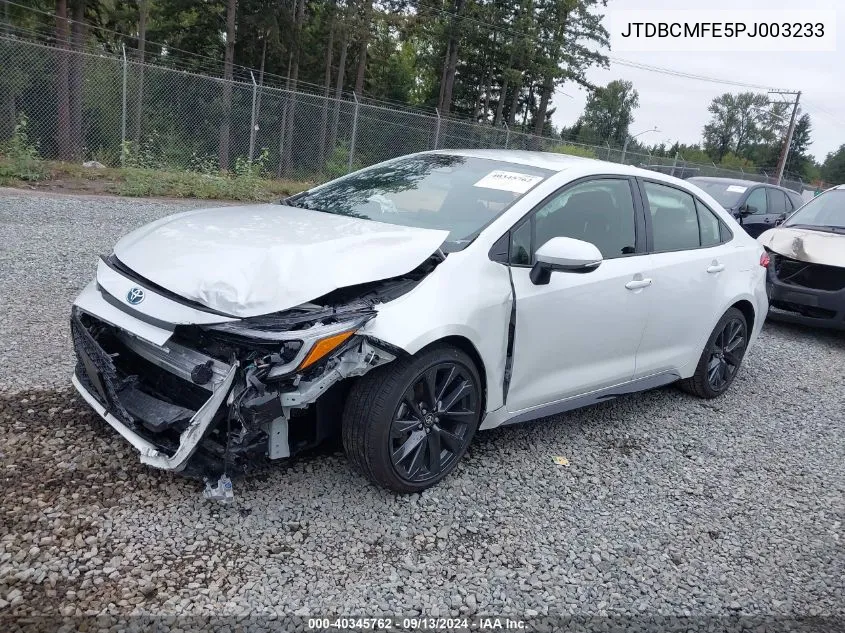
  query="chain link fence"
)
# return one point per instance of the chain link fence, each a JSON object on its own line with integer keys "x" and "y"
{"x": 122, "y": 112}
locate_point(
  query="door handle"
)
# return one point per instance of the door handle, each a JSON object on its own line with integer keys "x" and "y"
{"x": 715, "y": 268}
{"x": 636, "y": 284}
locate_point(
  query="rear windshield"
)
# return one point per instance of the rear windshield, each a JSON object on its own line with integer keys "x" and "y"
{"x": 825, "y": 212}
{"x": 458, "y": 194}
{"x": 725, "y": 193}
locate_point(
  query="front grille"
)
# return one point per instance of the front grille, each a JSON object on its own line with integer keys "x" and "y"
{"x": 96, "y": 369}
{"x": 815, "y": 276}
{"x": 142, "y": 395}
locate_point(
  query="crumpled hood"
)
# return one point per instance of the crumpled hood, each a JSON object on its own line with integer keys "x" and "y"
{"x": 815, "y": 247}
{"x": 252, "y": 260}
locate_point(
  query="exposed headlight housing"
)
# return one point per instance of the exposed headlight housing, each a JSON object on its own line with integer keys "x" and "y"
{"x": 295, "y": 349}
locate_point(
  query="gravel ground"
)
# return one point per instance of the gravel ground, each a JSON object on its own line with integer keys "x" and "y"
{"x": 669, "y": 505}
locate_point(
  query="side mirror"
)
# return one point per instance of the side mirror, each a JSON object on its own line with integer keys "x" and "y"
{"x": 780, "y": 220}
{"x": 745, "y": 211}
{"x": 564, "y": 254}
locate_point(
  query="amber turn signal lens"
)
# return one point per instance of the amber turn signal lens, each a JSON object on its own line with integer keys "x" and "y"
{"x": 324, "y": 346}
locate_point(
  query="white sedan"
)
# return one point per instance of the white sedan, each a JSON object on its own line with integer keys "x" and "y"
{"x": 408, "y": 305}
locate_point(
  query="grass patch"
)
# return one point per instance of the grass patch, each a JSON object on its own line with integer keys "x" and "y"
{"x": 33, "y": 173}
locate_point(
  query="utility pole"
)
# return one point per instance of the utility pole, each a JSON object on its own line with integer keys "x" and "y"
{"x": 784, "y": 154}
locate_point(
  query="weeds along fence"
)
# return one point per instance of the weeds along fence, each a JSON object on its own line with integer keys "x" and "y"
{"x": 122, "y": 112}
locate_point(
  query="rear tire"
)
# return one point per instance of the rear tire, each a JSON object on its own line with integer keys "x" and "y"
{"x": 721, "y": 358}
{"x": 407, "y": 424}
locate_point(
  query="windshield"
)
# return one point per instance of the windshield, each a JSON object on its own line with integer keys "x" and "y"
{"x": 458, "y": 194}
{"x": 725, "y": 193}
{"x": 826, "y": 212}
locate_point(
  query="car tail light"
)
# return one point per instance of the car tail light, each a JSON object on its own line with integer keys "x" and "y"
{"x": 764, "y": 259}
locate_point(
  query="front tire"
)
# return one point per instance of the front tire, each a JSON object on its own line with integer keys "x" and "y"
{"x": 721, "y": 358}
{"x": 407, "y": 424}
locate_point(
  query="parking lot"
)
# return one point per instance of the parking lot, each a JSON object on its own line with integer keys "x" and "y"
{"x": 669, "y": 504}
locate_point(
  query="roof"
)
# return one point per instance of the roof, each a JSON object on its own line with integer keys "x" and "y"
{"x": 547, "y": 160}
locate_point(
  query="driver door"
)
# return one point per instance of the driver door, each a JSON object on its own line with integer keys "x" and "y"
{"x": 580, "y": 332}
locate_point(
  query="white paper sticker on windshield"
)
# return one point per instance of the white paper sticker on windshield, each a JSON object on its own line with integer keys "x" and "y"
{"x": 736, "y": 189}
{"x": 508, "y": 181}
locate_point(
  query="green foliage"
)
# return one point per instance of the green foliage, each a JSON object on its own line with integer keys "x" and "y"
{"x": 574, "y": 150}
{"x": 833, "y": 168}
{"x": 146, "y": 154}
{"x": 738, "y": 121}
{"x": 337, "y": 163}
{"x": 732, "y": 161}
{"x": 19, "y": 158}
{"x": 609, "y": 113}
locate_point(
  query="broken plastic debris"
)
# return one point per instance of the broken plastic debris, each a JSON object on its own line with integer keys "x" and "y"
{"x": 222, "y": 492}
{"x": 560, "y": 460}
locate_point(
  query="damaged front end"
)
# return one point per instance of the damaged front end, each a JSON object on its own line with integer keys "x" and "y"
{"x": 806, "y": 276}
{"x": 220, "y": 398}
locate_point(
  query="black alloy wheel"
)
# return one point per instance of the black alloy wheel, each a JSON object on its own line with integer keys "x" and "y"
{"x": 407, "y": 424}
{"x": 432, "y": 424}
{"x": 726, "y": 354}
{"x": 719, "y": 363}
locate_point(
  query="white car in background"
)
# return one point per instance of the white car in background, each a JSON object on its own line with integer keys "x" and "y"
{"x": 410, "y": 304}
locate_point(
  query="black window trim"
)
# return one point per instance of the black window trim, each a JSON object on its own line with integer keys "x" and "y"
{"x": 696, "y": 201}
{"x": 498, "y": 254}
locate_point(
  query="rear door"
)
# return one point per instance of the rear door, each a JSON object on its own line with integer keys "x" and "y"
{"x": 688, "y": 265}
{"x": 754, "y": 218}
{"x": 779, "y": 208}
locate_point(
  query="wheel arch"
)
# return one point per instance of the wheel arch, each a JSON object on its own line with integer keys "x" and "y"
{"x": 747, "y": 309}
{"x": 468, "y": 348}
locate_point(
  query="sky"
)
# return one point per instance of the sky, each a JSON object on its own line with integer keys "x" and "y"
{"x": 678, "y": 106}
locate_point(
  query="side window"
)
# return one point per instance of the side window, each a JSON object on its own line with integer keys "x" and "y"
{"x": 598, "y": 211}
{"x": 708, "y": 225}
{"x": 674, "y": 220}
{"x": 777, "y": 201}
{"x": 790, "y": 204}
{"x": 520, "y": 249}
{"x": 756, "y": 202}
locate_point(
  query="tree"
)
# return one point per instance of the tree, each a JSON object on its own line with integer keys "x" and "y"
{"x": 737, "y": 122}
{"x": 447, "y": 83}
{"x": 75, "y": 84}
{"x": 366, "y": 16}
{"x": 609, "y": 113}
{"x": 63, "y": 134}
{"x": 572, "y": 29}
{"x": 226, "y": 116}
{"x": 143, "y": 14}
{"x": 833, "y": 168}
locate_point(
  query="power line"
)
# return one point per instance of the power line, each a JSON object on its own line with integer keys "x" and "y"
{"x": 687, "y": 75}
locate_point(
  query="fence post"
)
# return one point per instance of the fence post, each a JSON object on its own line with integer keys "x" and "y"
{"x": 608, "y": 150}
{"x": 507, "y": 135}
{"x": 674, "y": 163}
{"x": 437, "y": 129}
{"x": 123, "y": 114}
{"x": 354, "y": 133}
{"x": 253, "y": 128}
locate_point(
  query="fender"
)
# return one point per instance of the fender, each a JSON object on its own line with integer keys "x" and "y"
{"x": 462, "y": 297}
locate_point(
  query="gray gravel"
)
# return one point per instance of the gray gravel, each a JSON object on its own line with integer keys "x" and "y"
{"x": 669, "y": 505}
